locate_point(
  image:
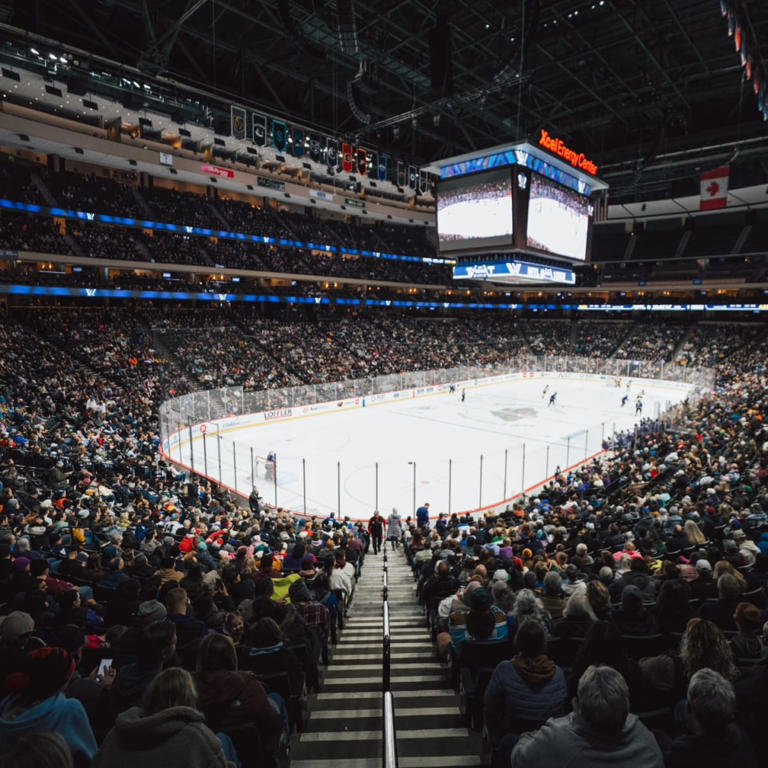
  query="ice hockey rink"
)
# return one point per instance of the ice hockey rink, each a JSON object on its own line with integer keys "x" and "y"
{"x": 434, "y": 449}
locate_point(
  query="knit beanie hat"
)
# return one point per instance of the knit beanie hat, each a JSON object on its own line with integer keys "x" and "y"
{"x": 44, "y": 672}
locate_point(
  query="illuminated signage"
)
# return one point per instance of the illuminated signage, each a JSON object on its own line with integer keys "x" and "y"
{"x": 214, "y": 170}
{"x": 561, "y": 149}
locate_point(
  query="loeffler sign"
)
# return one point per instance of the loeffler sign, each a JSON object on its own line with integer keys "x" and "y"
{"x": 558, "y": 147}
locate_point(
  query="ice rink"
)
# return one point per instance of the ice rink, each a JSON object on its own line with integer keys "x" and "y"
{"x": 433, "y": 449}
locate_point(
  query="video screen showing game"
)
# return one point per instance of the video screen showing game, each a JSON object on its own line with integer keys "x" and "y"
{"x": 475, "y": 211}
{"x": 558, "y": 219}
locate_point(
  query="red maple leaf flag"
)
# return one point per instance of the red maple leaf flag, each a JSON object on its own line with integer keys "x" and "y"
{"x": 714, "y": 189}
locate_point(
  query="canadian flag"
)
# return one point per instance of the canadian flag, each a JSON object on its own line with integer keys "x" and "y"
{"x": 714, "y": 189}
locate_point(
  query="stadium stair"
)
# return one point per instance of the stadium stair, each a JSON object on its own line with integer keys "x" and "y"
{"x": 345, "y": 722}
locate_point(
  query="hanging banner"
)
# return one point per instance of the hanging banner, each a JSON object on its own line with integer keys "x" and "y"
{"x": 382, "y": 168}
{"x": 258, "y": 128}
{"x": 413, "y": 176}
{"x": 238, "y": 116}
{"x": 315, "y": 151}
{"x": 298, "y": 142}
{"x": 279, "y": 135}
{"x": 332, "y": 153}
{"x": 423, "y": 182}
{"x": 362, "y": 162}
{"x": 347, "y": 162}
{"x": 402, "y": 177}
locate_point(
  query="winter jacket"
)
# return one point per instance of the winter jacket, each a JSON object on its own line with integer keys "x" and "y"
{"x": 536, "y": 693}
{"x": 56, "y": 713}
{"x": 172, "y": 738}
{"x": 567, "y": 742}
{"x": 394, "y": 526}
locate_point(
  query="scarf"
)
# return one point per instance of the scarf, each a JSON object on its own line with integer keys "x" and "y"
{"x": 536, "y": 671}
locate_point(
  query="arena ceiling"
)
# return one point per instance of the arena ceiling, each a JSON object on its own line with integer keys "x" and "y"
{"x": 639, "y": 85}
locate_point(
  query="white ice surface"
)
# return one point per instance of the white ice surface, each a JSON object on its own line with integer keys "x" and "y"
{"x": 341, "y": 449}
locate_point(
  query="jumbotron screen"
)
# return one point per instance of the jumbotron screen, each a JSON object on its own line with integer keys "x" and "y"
{"x": 475, "y": 211}
{"x": 558, "y": 219}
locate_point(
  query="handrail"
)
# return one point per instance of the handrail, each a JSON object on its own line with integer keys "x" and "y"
{"x": 388, "y": 739}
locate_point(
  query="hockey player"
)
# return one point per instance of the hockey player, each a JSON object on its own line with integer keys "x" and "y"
{"x": 463, "y": 395}
{"x": 624, "y": 400}
{"x": 638, "y": 407}
{"x": 544, "y": 393}
{"x": 552, "y": 398}
{"x": 451, "y": 389}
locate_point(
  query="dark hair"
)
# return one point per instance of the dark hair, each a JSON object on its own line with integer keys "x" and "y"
{"x": 156, "y": 643}
{"x": 480, "y": 624}
{"x": 531, "y": 638}
{"x": 264, "y": 633}
{"x": 215, "y": 653}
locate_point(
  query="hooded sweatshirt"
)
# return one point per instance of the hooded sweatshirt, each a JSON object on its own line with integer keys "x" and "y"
{"x": 176, "y": 737}
{"x": 56, "y": 713}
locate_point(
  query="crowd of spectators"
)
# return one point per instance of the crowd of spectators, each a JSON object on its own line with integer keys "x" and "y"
{"x": 106, "y": 194}
{"x": 651, "y": 341}
{"x": 595, "y": 338}
{"x": 709, "y": 344}
{"x": 651, "y": 561}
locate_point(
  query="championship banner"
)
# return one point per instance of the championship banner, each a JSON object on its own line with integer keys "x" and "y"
{"x": 315, "y": 152}
{"x": 298, "y": 142}
{"x": 238, "y": 117}
{"x": 332, "y": 153}
{"x": 279, "y": 135}
{"x": 382, "y": 168}
{"x": 362, "y": 162}
{"x": 258, "y": 128}
{"x": 347, "y": 162}
{"x": 423, "y": 182}
{"x": 402, "y": 178}
{"x": 413, "y": 176}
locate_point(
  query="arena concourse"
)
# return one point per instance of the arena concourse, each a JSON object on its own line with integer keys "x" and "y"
{"x": 218, "y": 253}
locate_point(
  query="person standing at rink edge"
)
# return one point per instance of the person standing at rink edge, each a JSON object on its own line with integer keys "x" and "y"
{"x": 376, "y": 531}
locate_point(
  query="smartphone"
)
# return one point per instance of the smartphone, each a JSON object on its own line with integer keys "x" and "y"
{"x": 104, "y": 665}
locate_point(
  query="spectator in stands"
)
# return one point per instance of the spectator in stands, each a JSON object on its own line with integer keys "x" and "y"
{"x": 747, "y": 643}
{"x": 188, "y": 628}
{"x": 523, "y": 692}
{"x": 704, "y": 645}
{"x": 703, "y": 587}
{"x": 155, "y": 648}
{"x": 230, "y": 697}
{"x": 600, "y": 731}
{"x": 36, "y": 704}
{"x": 633, "y": 618}
{"x": 721, "y": 611}
{"x": 38, "y": 750}
{"x": 716, "y": 740}
{"x": 673, "y": 607}
{"x": 577, "y": 617}
{"x": 167, "y": 732}
{"x": 552, "y": 595}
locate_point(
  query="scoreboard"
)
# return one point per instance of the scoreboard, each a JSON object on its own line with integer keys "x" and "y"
{"x": 518, "y": 213}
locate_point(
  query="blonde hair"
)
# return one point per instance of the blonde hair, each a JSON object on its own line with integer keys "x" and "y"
{"x": 693, "y": 533}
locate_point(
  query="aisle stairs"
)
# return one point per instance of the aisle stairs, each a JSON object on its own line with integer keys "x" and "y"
{"x": 345, "y": 723}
